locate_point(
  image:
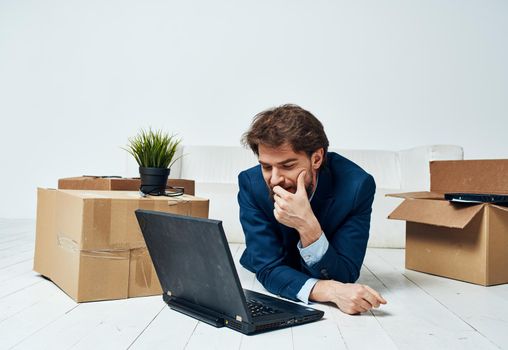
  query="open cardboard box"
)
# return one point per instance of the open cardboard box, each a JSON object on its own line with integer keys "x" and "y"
{"x": 468, "y": 242}
{"x": 89, "y": 242}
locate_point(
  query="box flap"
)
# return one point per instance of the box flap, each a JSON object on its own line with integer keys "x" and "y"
{"x": 500, "y": 207}
{"x": 469, "y": 176}
{"x": 417, "y": 195}
{"x": 436, "y": 212}
{"x": 497, "y": 244}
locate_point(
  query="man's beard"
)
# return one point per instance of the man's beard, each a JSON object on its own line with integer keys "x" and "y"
{"x": 309, "y": 189}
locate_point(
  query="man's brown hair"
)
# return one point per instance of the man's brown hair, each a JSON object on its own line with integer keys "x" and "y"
{"x": 286, "y": 124}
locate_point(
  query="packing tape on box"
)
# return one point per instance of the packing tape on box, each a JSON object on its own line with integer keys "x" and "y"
{"x": 144, "y": 267}
{"x": 69, "y": 244}
{"x": 106, "y": 254}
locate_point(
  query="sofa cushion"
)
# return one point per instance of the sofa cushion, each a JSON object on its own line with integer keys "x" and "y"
{"x": 384, "y": 166}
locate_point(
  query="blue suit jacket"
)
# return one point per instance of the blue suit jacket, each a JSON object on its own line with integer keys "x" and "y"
{"x": 342, "y": 203}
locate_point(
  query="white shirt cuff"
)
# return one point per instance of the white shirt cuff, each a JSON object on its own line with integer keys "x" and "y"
{"x": 304, "y": 293}
{"x": 314, "y": 252}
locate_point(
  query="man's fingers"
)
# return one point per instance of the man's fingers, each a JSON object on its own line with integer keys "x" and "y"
{"x": 279, "y": 213}
{"x": 280, "y": 191}
{"x": 276, "y": 214}
{"x": 351, "y": 310}
{"x": 279, "y": 201}
{"x": 376, "y": 294}
{"x": 364, "y": 305}
{"x": 300, "y": 182}
{"x": 371, "y": 298}
{"x": 358, "y": 310}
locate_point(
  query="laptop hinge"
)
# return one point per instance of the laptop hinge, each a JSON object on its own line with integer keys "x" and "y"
{"x": 199, "y": 312}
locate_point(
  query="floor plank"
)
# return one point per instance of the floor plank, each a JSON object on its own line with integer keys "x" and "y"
{"x": 16, "y": 230}
{"x": 169, "y": 330}
{"x": 206, "y": 336}
{"x": 27, "y": 322}
{"x": 26, "y": 298}
{"x": 354, "y": 328}
{"x": 97, "y": 325}
{"x": 323, "y": 334}
{"x": 426, "y": 323}
{"x": 18, "y": 249}
{"x": 15, "y": 270}
{"x": 484, "y": 309}
{"x": 20, "y": 282}
{"x": 20, "y": 257}
{"x": 28, "y": 236}
{"x": 281, "y": 339}
{"x": 16, "y": 245}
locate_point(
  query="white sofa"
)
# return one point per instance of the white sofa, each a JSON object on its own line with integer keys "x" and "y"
{"x": 215, "y": 170}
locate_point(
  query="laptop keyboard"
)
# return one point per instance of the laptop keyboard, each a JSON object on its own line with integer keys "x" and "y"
{"x": 257, "y": 309}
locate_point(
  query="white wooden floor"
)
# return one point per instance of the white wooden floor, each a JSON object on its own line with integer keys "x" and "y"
{"x": 423, "y": 312}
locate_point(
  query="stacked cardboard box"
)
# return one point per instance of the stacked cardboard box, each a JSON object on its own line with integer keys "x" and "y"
{"x": 105, "y": 183}
{"x": 464, "y": 241}
{"x": 90, "y": 245}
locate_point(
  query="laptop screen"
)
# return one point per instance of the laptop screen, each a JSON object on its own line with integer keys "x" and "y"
{"x": 193, "y": 261}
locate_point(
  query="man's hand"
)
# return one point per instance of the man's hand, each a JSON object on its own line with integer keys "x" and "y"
{"x": 350, "y": 298}
{"x": 294, "y": 210}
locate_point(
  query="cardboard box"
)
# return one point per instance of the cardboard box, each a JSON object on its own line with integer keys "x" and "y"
{"x": 469, "y": 176}
{"x": 99, "y": 183}
{"x": 90, "y": 245}
{"x": 467, "y": 242}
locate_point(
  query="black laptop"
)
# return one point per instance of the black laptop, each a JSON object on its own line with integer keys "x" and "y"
{"x": 476, "y": 198}
{"x": 199, "y": 278}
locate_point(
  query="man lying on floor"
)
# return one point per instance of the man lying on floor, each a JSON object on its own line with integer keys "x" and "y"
{"x": 305, "y": 213}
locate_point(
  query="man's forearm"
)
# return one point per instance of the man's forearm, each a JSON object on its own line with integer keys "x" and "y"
{"x": 321, "y": 291}
{"x": 351, "y": 298}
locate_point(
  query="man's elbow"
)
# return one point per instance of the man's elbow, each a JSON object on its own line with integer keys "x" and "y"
{"x": 347, "y": 275}
{"x": 263, "y": 276}
{"x": 354, "y": 275}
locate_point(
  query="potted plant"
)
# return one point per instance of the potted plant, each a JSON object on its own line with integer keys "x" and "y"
{"x": 154, "y": 152}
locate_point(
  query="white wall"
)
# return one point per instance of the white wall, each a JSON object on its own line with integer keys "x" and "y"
{"x": 78, "y": 77}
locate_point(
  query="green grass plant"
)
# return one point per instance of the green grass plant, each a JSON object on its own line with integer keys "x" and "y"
{"x": 153, "y": 149}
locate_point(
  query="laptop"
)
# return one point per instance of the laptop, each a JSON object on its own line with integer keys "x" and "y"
{"x": 476, "y": 198}
{"x": 198, "y": 276}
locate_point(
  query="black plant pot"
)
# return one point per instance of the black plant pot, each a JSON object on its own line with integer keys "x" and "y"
{"x": 153, "y": 180}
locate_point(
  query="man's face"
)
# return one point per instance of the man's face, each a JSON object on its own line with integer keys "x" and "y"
{"x": 281, "y": 167}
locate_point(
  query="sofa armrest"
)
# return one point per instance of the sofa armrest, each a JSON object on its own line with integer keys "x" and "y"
{"x": 215, "y": 164}
{"x": 414, "y": 164}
